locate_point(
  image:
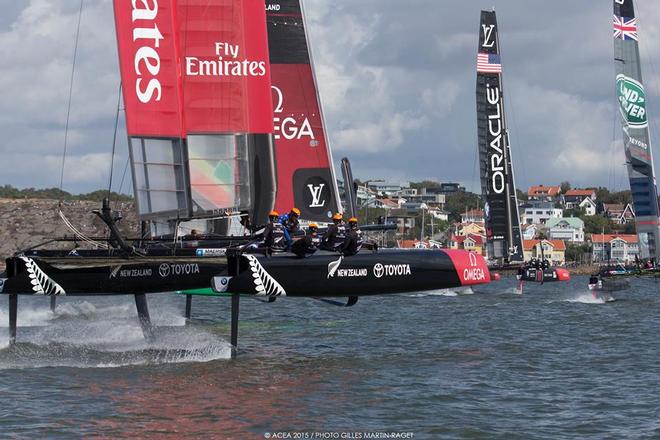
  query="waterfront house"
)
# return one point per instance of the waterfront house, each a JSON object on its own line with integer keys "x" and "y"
{"x": 619, "y": 213}
{"x": 567, "y": 228}
{"x": 588, "y": 205}
{"x": 539, "y": 213}
{"x": 553, "y": 250}
{"x": 621, "y": 248}
{"x": 471, "y": 228}
{"x": 470, "y": 242}
{"x": 544, "y": 193}
{"x": 473, "y": 215}
{"x": 574, "y": 197}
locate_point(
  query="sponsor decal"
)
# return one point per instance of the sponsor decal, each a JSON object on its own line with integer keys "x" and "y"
{"x": 228, "y": 63}
{"x": 489, "y": 41}
{"x": 273, "y": 7}
{"x": 133, "y": 273}
{"x": 381, "y": 270}
{"x": 220, "y": 284}
{"x": 167, "y": 269}
{"x": 264, "y": 283}
{"x": 474, "y": 272}
{"x": 632, "y": 101}
{"x": 146, "y": 59}
{"x": 352, "y": 272}
{"x": 211, "y": 252}
{"x": 497, "y": 142}
{"x": 41, "y": 283}
{"x": 316, "y": 192}
{"x": 289, "y": 127}
{"x": 333, "y": 266}
{"x": 2, "y": 283}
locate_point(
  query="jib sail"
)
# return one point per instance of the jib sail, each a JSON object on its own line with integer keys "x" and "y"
{"x": 496, "y": 171}
{"x": 305, "y": 174}
{"x": 632, "y": 105}
{"x": 196, "y": 85}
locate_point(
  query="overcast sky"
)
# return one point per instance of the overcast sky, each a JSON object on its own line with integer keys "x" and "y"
{"x": 397, "y": 80}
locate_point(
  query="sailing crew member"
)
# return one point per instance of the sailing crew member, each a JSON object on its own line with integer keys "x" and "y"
{"x": 309, "y": 244}
{"x": 354, "y": 241}
{"x": 291, "y": 225}
{"x": 334, "y": 237}
{"x": 274, "y": 239}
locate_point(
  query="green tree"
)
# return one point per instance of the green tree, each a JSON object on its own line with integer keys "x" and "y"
{"x": 565, "y": 186}
{"x": 425, "y": 184}
{"x": 596, "y": 224}
{"x": 459, "y": 202}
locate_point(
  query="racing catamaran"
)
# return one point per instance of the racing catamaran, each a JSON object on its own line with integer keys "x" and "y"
{"x": 502, "y": 220}
{"x": 631, "y": 99}
{"x": 204, "y": 139}
{"x": 634, "y": 120}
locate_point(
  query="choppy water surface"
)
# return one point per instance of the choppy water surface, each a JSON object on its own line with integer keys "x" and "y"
{"x": 485, "y": 363}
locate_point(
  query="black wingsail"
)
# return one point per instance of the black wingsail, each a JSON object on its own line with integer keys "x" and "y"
{"x": 632, "y": 105}
{"x": 497, "y": 182}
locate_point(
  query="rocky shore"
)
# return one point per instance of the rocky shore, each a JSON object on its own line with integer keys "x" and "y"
{"x": 27, "y": 222}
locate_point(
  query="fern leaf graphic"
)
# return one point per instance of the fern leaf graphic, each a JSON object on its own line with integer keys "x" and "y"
{"x": 333, "y": 266}
{"x": 264, "y": 283}
{"x": 42, "y": 284}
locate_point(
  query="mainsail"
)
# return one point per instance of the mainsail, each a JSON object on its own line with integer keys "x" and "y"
{"x": 196, "y": 87}
{"x": 632, "y": 105}
{"x": 497, "y": 182}
{"x": 305, "y": 174}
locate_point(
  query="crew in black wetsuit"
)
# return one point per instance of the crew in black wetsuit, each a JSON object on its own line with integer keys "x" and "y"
{"x": 334, "y": 237}
{"x": 309, "y": 244}
{"x": 274, "y": 239}
{"x": 354, "y": 242}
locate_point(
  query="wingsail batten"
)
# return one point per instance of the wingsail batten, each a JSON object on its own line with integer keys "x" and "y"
{"x": 305, "y": 172}
{"x": 197, "y": 92}
{"x": 631, "y": 98}
{"x": 496, "y": 171}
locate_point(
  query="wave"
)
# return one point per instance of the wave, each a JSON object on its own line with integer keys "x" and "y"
{"x": 82, "y": 334}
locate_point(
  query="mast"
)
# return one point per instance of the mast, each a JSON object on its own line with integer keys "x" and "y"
{"x": 634, "y": 120}
{"x": 305, "y": 173}
{"x": 503, "y": 236}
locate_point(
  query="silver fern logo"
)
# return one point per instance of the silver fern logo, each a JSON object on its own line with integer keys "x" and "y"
{"x": 264, "y": 284}
{"x": 333, "y": 266}
{"x": 42, "y": 284}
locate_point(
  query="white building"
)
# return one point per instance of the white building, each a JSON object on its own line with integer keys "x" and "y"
{"x": 622, "y": 248}
{"x": 567, "y": 229}
{"x": 589, "y": 206}
{"x": 540, "y": 214}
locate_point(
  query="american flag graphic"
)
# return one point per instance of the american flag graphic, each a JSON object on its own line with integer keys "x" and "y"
{"x": 625, "y": 28}
{"x": 489, "y": 63}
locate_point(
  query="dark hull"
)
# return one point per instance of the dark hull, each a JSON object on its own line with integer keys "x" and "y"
{"x": 79, "y": 276}
{"x": 550, "y": 274}
{"x": 367, "y": 273}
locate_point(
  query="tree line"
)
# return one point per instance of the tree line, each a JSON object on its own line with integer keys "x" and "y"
{"x": 10, "y": 192}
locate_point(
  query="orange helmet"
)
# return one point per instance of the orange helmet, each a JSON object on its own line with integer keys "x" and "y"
{"x": 337, "y": 216}
{"x": 313, "y": 226}
{"x": 273, "y": 213}
{"x": 353, "y": 220}
{"x": 296, "y": 211}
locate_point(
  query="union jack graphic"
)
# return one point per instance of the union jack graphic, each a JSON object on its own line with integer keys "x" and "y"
{"x": 625, "y": 28}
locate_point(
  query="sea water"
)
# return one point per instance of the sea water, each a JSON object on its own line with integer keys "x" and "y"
{"x": 487, "y": 362}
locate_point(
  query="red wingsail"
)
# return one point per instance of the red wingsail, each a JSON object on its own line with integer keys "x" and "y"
{"x": 197, "y": 91}
{"x": 305, "y": 176}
